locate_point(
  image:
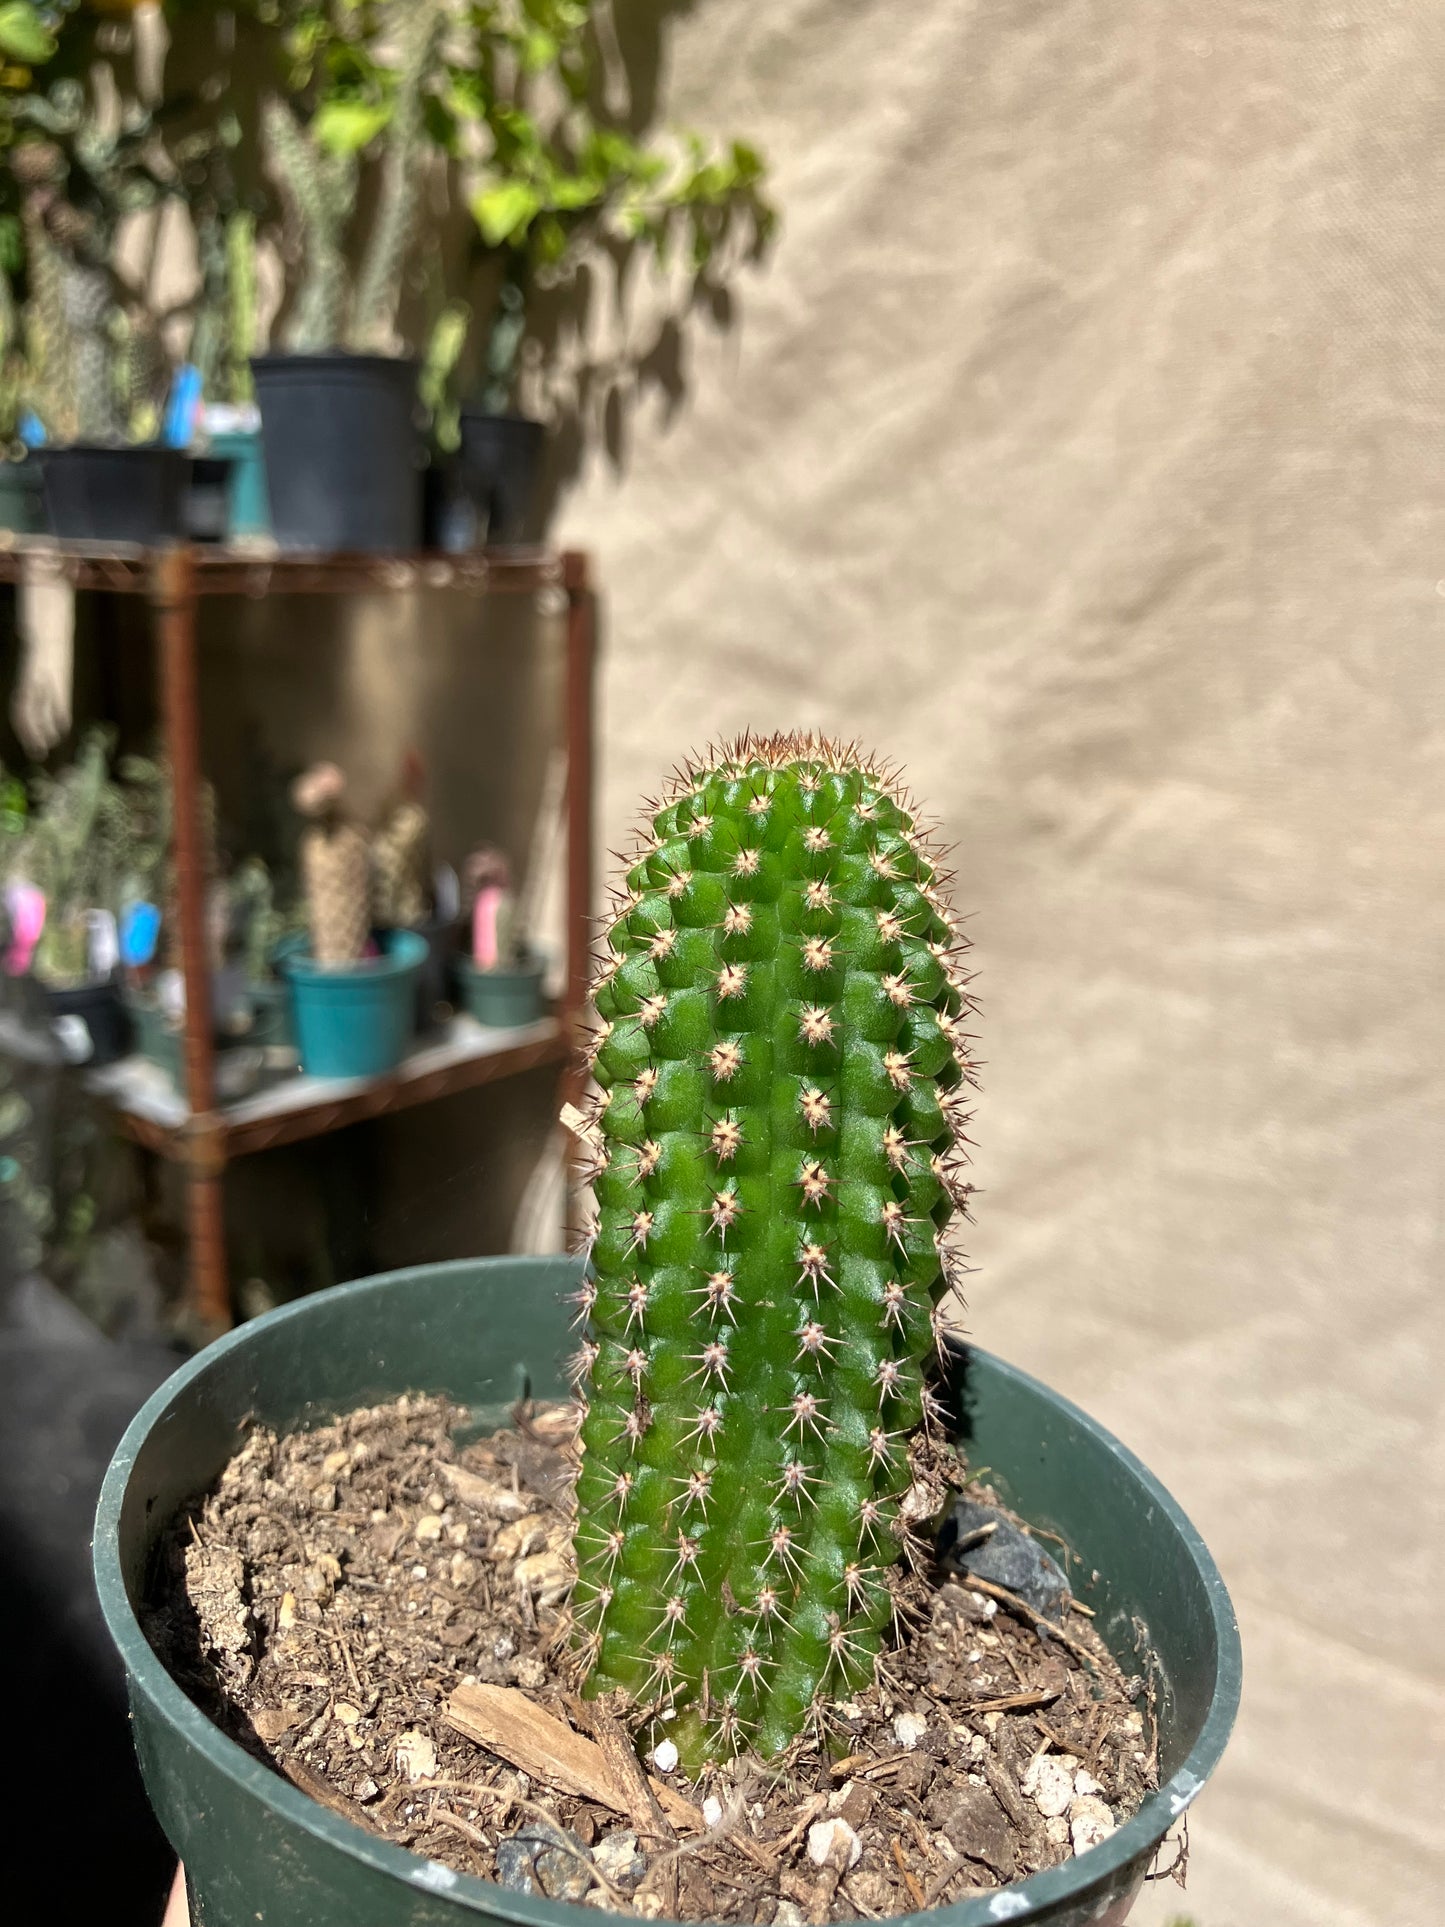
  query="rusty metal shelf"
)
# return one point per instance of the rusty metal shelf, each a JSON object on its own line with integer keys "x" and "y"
{"x": 201, "y": 1133}
{"x": 150, "y": 1110}
{"x": 123, "y": 569}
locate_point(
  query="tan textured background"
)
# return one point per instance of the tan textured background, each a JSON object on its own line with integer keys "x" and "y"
{"x": 1082, "y": 448}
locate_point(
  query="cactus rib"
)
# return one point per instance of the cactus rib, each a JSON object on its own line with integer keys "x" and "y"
{"x": 780, "y": 1064}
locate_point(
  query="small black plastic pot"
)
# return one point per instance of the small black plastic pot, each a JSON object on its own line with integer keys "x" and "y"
{"x": 100, "y": 494}
{"x": 208, "y": 500}
{"x": 99, "y": 1008}
{"x": 485, "y": 1333}
{"x": 497, "y": 467}
{"x": 344, "y": 451}
{"x": 436, "y": 979}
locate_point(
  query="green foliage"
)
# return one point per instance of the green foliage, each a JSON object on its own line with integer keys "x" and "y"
{"x": 24, "y": 35}
{"x": 510, "y": 95}
{"x": 443, "y": 350}
{"x": 781, "y": 1063}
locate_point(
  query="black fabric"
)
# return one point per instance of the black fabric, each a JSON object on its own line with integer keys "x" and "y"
{"x": 83, "y": 1843}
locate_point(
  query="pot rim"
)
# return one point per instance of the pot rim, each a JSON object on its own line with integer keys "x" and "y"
{"x": 1137, "y": 1837}
{"x": 405, "y": 951}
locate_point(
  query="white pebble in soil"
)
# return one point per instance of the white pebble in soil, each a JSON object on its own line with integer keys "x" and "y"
{"x": 617, "y": 1856}
{"x": 416, "y": 1756}
{"x": 664, "y": 1756}
{"x": 909, "y": 1729}
{"x": 1050, "y": 1783}
{"x": 712, "y": 1810}
{"x": 1090, "y": 1821}
{"x": 834, "y": 1842}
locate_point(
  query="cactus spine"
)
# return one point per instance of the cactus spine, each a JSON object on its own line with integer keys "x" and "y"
{"x": 775, "y": 1147}
{"x": 335, "y": 865}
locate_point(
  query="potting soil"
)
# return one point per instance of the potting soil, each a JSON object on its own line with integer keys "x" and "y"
{"x": 335, "y": 1587}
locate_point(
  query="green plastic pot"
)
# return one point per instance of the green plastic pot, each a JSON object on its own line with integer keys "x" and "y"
{"x": 21, "y": 508}
{"x": 484, "y": 1333}
{"x": 247, "y": 505}
{"x": 503, "y": 999}
{"x": 355, "y": 1020}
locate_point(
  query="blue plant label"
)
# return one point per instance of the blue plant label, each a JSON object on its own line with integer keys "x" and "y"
{"x": 140, "y": 933}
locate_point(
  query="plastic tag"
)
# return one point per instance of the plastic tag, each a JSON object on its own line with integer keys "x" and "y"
{"x": 447, "y": 893}
{"x": 140, "y": 932}
{"x": 104, "y": 944}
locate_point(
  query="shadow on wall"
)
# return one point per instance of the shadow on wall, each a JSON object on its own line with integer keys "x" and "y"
{"x": 616, "y": 336}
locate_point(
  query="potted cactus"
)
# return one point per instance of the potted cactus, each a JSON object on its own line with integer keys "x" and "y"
{"x": 70, "y": 873}
{"x": 98, "y": 367}
{"x": 339, "y": 408}
{"x": 773, "y": 1144}
{"x": 502, "y": 978}
{"x": 20, "y": 505}
{"x": 404, "y": 896}
{"x": 353, "y": 1009}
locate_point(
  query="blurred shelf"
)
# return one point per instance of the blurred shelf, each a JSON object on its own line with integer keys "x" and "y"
{"x": 466, "y": 1056}
{"x": 123, "y": 569}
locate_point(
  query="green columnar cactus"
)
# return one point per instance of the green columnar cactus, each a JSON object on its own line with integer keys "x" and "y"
{"x": 393, "y": 232}
{"x": 775, "y": 1159}
{"x": 323, "y": 190}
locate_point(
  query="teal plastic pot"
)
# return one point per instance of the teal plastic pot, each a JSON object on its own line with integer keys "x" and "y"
{"x": 503, "y": 998}
{"x": 248, "y": 505}
{"x": 484, "y": 1333}
{"x": 355, "y": 1020}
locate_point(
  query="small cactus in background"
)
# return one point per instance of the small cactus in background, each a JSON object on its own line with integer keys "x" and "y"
{"x": 322, "y": 187}
{"x": 393, "y": 230}
{"x": 495, "y": 933}
{"x": 98, "y": 364}
{"x": 775, "y": 1161}
{"x": 401, "y": 856}
{"x": 335, "y": 864}
{"x": 75, "y": 851}
{"x": 255, "y": 923}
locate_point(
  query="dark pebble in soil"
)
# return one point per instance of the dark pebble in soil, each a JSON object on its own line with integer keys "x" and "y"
{"x": 1007, "y": 1557}
{"x": 531, "y": 1859}
{"x": 974, "y": 1825}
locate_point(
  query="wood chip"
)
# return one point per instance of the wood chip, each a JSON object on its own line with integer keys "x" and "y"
{"x": 519, "y": 1731}
{"x": 485, "y": 1494}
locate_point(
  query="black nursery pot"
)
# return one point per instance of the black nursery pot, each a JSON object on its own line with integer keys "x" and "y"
{"x": 208, "y": 500}
{"x": 100, "y": 1008}
{"x": 99, "y": 494}
{"x": 485, "y": 1333}
{"x": 498, "y": 465}
{"x": 343, "y": 451}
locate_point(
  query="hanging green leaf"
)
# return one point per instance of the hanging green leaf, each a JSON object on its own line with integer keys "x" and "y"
{"x": 23, "y": 34}
{"x": 505, "y": 210}
{"x": 346, "y": 126}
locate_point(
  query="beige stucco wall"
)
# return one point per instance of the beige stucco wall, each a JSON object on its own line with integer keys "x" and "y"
{"x": 1081, "y": 447}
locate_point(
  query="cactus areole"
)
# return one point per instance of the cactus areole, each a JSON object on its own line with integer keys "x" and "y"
{"x": 781, "y": 1064}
